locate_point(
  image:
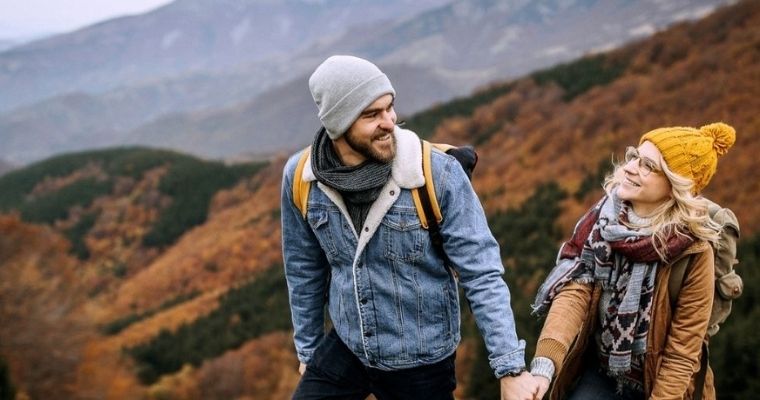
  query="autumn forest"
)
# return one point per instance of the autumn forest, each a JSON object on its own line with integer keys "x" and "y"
{"x": 137, "y": 273}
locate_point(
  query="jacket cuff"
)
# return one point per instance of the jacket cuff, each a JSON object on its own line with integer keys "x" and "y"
{"x": 542, "y": 366}
{"x": 304, "y": 356}
{"x": 553, "y": 350}
{"x": 513, "y": 362}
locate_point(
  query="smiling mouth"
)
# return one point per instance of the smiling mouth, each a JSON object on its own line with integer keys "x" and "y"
{"x": 383, "y": 137}
{"x": 632, "y": 183}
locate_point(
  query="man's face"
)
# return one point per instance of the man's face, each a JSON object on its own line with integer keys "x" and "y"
{"x": 371, "y": 135}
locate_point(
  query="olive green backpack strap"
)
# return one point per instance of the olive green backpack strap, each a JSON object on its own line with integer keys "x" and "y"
{"x": 677, "y": 273}
{"x": 300, "y": 187}
{"x": 728, "y": 284}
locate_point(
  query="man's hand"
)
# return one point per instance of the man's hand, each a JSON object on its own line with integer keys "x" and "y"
{"x": 543, "y": 386}
{"x": 302, "y": 368}
{"x": 523, "y": 387}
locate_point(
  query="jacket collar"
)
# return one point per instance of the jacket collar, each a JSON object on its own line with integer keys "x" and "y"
{"x": 406, "y": 170}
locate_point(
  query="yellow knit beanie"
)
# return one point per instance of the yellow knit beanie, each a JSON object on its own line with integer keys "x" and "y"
{"x": 693, "y": 153}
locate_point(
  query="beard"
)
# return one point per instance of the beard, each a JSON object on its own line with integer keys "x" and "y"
{"x": 370, "y": 152}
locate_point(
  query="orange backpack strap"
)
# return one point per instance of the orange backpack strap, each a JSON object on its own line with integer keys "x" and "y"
{"x": 428, "y": 209}
{"x": 444, "y": 147}
{"x": 301, "y": 188}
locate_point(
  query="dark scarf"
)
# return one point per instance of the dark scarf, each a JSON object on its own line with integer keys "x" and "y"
{"x": 359, "y": 185}
{"x": 624, "y": 262}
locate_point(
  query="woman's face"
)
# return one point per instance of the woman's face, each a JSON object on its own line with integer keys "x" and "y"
{"x": 644, "y": 185}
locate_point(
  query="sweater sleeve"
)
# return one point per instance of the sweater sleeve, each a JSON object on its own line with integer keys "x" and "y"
{"x": 563, "y": 322}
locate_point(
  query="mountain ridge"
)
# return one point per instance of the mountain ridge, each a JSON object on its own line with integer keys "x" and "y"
{"x": 178, "y": 38}
{"x": 456, "y": 47}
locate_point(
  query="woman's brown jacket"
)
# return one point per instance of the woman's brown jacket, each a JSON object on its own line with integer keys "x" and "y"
{"x": 674, "y": 343}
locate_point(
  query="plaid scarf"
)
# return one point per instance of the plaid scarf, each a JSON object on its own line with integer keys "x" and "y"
{"x": 604, "y": 250}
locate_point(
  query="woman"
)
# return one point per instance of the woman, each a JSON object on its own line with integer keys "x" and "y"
{"x": 610, "y": 331}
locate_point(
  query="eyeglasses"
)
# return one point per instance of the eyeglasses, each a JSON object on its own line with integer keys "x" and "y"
{"x": 646, "y": 165}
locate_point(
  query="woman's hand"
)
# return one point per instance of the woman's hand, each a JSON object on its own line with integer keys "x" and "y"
{"x": 522, "y": 387}
{"x": 543, "y": 386}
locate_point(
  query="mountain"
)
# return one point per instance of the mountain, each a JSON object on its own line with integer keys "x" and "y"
{"x": 7, "y": 43}
{"x": 279, "y": 120}
{"x": 94, "y": 309}
{"x": 10, "y": 37}
{"x": 453, "y": 47}
{"x": 185, "y": 36}
{"x": 507, "y": 38}
{"x": 434, "y": 56}
{"x": 5, "y": 167}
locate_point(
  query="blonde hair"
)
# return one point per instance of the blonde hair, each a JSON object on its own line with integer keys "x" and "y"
{"x": 682, "y": 213}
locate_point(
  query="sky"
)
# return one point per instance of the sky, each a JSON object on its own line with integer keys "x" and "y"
{"x": 30, "y": 18}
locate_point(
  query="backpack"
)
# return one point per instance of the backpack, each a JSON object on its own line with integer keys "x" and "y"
{"x": 728, "y": 284}
{"x": 425, "y": 200}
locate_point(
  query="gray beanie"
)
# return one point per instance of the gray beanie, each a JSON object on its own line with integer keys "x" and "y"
{"x": 342, "y": 87}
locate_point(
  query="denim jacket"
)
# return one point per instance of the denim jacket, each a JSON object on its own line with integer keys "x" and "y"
{"x": 390, "y": 297}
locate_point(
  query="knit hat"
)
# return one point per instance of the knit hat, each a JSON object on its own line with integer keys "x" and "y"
{"x": 342, "y": 87}
{"x": 693, "y": 153}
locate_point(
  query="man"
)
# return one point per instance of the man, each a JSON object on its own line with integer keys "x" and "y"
{"x": 361, "y": 249}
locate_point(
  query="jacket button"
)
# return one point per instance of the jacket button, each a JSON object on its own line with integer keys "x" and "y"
{"x": 392, "y": 192}
{"x": 366, "y": 229}
{"x": 368, "y": 334}
{"x": 363, "y": 301}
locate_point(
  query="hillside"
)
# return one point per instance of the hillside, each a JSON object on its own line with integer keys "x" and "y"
{"x": 564, "y": 124}
{"x": 199, "y": 311}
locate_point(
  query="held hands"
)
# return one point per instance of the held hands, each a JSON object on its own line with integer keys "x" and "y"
{"x": 522, "y": 387}
{"x": 543, "y": 386}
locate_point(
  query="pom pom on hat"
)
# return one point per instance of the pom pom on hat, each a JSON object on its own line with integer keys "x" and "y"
{"x": 693, "y": 153}
{"x": 723, "y": 135}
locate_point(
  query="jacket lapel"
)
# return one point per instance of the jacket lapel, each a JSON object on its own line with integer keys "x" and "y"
{"x": 406, "y": 173}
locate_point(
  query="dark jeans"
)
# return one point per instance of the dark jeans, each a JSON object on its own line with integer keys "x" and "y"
{"x": 595, "y": 385}
{"x": 336, "y": 373}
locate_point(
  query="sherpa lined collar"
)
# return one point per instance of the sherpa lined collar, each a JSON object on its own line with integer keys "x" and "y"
{"x": 406, "y": 170}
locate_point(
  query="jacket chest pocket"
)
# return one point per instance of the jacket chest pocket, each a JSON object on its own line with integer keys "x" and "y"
{"x": 326, "y": 227}
{"x": 403, "y": 235}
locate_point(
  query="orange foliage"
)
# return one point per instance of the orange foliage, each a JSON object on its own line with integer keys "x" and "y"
{"x": 42, "y": 330}
{"x": 233, "y": 245}
{"x": 715, "y": 78}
